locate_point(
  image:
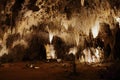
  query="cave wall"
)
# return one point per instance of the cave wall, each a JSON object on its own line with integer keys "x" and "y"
{"x": 21, "y": 20}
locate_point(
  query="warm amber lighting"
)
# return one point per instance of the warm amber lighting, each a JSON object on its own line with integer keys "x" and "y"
{"x": 91, "y": 55}
{"x": 95, "y": 29}
{"x": 50, "y": 52}
{"x": 73, "y": 50}
{"x": 50, "y": 37}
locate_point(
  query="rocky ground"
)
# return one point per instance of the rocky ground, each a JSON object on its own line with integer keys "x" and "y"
{"x": 58, "y": 71}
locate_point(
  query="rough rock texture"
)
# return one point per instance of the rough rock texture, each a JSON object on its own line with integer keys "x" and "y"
{"x": 69, "y": 20}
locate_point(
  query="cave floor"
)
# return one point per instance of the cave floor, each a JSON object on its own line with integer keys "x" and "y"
{"x": 52, "y": 71}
